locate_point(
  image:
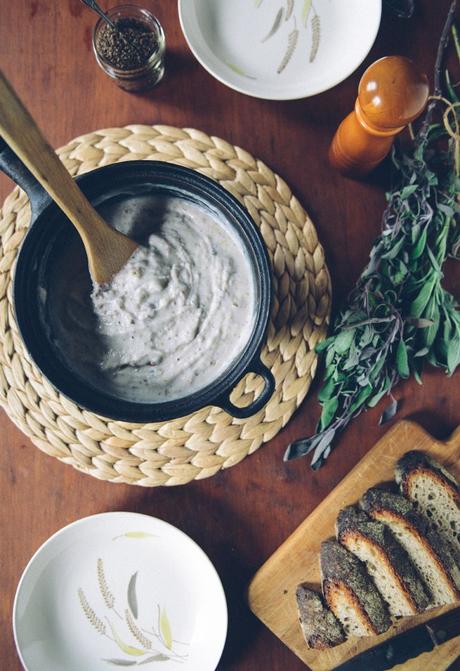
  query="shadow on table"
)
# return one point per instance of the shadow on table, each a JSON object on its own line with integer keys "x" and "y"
{"x": 435, "y": 423}
{"x": 180, "y": 66}
{"x": 229, "y": 543}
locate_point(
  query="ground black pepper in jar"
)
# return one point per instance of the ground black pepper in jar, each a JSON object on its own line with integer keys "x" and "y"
{"x": 132, "y": 53}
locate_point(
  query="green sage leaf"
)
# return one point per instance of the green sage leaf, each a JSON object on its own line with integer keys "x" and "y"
{"x": 328, "y": 412}
{"x": 453, "y": 354}
{"x": 408, "y": 191}
{"x": 389, "y": 412}
{"x": 402, "y": 361}
{"x": 326, "y": 391}
{"x": 343, "y": 341}
{"x": 420, "y": 302}
{"x": 358, "y": 404}
{"x": 419, "y": 246}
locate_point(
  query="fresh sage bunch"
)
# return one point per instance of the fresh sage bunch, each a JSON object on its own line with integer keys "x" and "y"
{"x": 399, "y": 316}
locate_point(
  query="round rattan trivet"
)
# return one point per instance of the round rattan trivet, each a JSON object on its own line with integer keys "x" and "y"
{"x": 197, "y": 446}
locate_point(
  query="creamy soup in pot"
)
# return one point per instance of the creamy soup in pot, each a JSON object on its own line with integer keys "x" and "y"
{"x": 172, "y": 320}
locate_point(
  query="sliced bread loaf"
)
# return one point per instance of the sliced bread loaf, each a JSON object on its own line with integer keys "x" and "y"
{"x": 426, "y": 548}
{"x": 386, "y": 560}
{"x": 350, "y": 593}
{"x": 434, "y": 491}
{"x": 320, "y": 627}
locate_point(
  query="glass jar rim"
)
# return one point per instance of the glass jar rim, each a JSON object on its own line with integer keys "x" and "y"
{"x": 136, "y": 11}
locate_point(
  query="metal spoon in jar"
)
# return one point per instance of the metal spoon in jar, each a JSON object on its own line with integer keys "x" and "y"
{"x": 92, "y": 4}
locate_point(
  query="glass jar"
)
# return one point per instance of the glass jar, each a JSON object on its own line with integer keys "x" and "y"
{"x": 152, "y": 71}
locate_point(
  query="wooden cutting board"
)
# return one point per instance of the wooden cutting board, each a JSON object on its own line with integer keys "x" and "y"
{"x": 271, "y": 593}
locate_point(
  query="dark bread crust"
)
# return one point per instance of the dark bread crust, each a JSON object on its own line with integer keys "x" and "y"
{"x": 334, "y": 590}
{"x": 415, "y": 473}
{"x": 416, "y": 462}
{"x": 320, "y": 627}
{"x": 339, "y": 567}
{"x": 378, "y": 499}
{"x": 383, "y": 504}
{"x": 353, "y": 523}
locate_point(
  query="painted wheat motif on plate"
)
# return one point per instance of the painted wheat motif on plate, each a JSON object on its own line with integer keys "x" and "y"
{"x": 150, "y": 645}
{"x": 288, "y": 11}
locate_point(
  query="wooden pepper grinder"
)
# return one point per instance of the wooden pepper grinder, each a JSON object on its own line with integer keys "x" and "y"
{"x": 392, "y": 93}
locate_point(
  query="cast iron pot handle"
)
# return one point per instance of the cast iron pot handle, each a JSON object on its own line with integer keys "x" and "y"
{"x": 241, "y": 413}
{"x": 12, "y": 166}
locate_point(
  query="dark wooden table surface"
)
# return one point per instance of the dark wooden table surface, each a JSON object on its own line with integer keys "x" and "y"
{"x": 239, "y": 516}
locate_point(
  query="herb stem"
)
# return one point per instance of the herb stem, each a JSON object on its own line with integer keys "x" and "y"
{"x": 442, "y": 47}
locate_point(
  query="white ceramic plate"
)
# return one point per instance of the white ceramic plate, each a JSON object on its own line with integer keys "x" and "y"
{"x": 120, "y": 590}
{"x": 280, "y": 49}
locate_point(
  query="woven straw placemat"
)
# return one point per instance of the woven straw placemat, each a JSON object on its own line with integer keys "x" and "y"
{"x": 197, "y": 446}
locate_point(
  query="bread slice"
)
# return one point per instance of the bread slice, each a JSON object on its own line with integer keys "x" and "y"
{"x": 350, "y": 593}
{"x": 386, "y": 560}
{"x": 434, "y": 491}
{"x": 320, "y": 627}
{"x": 426, "y": 548}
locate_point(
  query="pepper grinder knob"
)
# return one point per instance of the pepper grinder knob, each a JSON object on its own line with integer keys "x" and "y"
{"x": 392, "y": 93}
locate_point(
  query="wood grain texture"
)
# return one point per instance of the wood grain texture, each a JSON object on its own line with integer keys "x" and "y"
{"x": 271, "y": 593}
{"x": 242, "y": 515}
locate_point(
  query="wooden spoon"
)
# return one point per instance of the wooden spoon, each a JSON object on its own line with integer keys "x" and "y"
{"x": 107, "y": 249}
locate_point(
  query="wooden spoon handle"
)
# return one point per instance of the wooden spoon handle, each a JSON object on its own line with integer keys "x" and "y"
{"x": 107, "y": 249}
{"x": 20, "y": 131}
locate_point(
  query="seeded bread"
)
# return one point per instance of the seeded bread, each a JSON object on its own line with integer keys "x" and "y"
{"x": 387, "y": 562}
{"x": 320, "y": 627}
{"x": 434, "y": 491}
{"x": 426, "y": 548}
{"x": 350, "y": 593}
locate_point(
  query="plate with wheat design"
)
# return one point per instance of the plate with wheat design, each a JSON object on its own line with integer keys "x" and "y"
{"x": 280, "y": 49}
{"x": 119, "y": 590}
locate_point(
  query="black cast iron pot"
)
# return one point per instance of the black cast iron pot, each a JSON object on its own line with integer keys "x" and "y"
{"x": 50, "y": 230}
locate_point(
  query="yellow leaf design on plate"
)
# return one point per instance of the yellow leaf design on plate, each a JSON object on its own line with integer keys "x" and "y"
{"x": 306, "y": 11}
{"x": 165, "y": 629}
{"x": 128, "y": 649}
{"x": 135, "y": 534}
{"x": 239, "y": 71}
